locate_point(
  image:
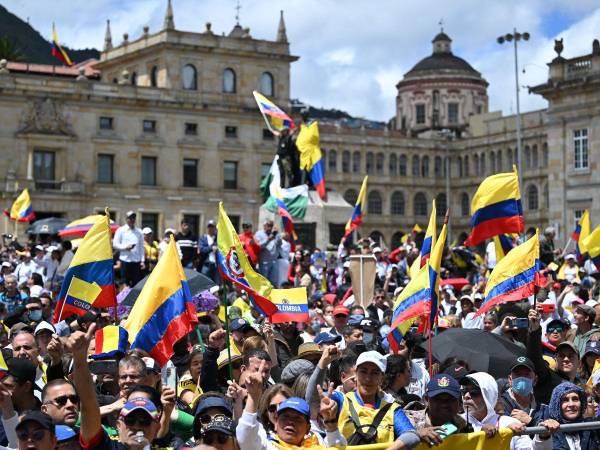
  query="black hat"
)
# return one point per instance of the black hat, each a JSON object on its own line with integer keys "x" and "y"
{"x": 22, "y": 369}
{"x": 522, "y": 361}
{"x": 221, "y": 424}
{"x": 42, "y": 419}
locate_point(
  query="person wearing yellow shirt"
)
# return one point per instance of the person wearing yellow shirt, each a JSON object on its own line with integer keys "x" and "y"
{"x": 240, "y": 331}
{"x": 150, "y": 249}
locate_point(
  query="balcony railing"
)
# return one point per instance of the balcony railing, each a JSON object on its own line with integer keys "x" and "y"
{"x": 579, "y": 66}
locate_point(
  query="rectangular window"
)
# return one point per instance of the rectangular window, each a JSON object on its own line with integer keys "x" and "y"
{"x": 150, "y": 220}
{"x": 148, "y": 171}
{"x": 190, "y": 173}
{"x": 194, "y": 221}
{"x": 191, "y": 129}
{"x": 230, "y": 174}
{"x": 105, "y": 169}
{"x": 230, "y": 131}
{"x": 149, "y": 126}
{"x": 580, "y": 146}
{"x": 453, "y": 113}
{"x": 267, "y": 135}
{"x": 106, "y": 123}
{"x": 44, "y": 169}
{"x": 235, "y": 221}
{"x": 420, "y": 113}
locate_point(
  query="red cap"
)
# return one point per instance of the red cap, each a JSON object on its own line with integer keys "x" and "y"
{"x": 556, "y": 285}
{"x": 341, "y": 310}
{"x": 329, "y": 298}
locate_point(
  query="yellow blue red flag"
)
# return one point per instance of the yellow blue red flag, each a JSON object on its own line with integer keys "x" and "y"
{"x": 57, "y": 51}
{"x": 515, "y": 277}
{"x": 21, "y": 210}
{"x": 582, "y": 231}
{"x": 274, "y": 116}
{"x": 496, "y": 208}
{"x": 311, "y": 158}
{"x": 435, "y": 264}
{"x": 292, "y": 305}
{"x": 164, "y": 312}
{"x": 592, "y": 245}
{"x": 110, "y": 341}
{"x": 429, "y": 240}
{"x": 235, "y": 267}
{"x": 359, "y": 209}
{"x": 503, "y": 244}
{"x": 90, "y": 269}
{"x": 3, "y": 367}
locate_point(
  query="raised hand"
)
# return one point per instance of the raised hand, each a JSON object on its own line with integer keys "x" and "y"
{"x": 330, "y": 353}
{"x": 79, "y": 342}
{"x": 254, "y": 382}
{"x": 328, "y": 408}
{"x": 216, "y": 339}
{"x": 55, "y": 350}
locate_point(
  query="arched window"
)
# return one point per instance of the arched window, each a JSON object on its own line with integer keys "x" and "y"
{"x": 397, "y": 239}
{"x": 133, "y": 79}
{"x": 425, "y": 166}
{"x": 397, "y": 204}
{"x": 493, "y": 162}
{"x": 154, "y": 76}
{"x": 546, "y": 196}
{"x": 499, "y": 161}
{"x": 527, "y": 157}
{"x": 534, "y": 157}
{"x": 189, "y": 77}
{"x": 345, "y": 161}
{"x": 482, "y": 164}
{"x": 466, "y": 164}
{"x": 370, "y": 162}
{"x": 229, "y": 82}
{"x": 374, "y": 203}
{"x": 402, "y": 165}
{"x": 350, "y": 196}
{"x": 437, "y": 167}
{"x": 266, "y": 84}
{"x": 459, "y": 166}
{"x": 393, "y": 165}
{"x": 356, "y": 162}
{"x": 465, "y": 206}
{"x": 545, "y": 155}
{"x": 379, "y": 163}
{"x": 476, "y": 164}
{"x": 420, "y": 204}
{"x": 332, "y": 160}
{"x": 441, "y": 205}
{"x": 532, "y": 197}
{"x": 416, "y": 169}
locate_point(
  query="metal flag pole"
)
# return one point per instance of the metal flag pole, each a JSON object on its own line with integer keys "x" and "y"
{"x": 227, "y": 339}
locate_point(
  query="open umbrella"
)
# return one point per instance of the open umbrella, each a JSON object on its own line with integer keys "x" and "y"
{"x": 196, "y": 282}
{"x": 483, "y": 351}
{"x": 50, "y": 225}
{"x": 79, "y": 227}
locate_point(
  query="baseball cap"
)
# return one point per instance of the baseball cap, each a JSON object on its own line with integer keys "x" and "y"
{"x": 295, "y": 403}
{"x": 42, "y": 419}
{"x": 210, "y": 223}
{"x": 129, "y": 214}
{"x": 43, "y": 325}
{"x": 151, "y": 364}
{"x": 443, "y": 383}
{"x": 220, "y": 424}
{"x": 341, "y": 310}
{"x": 577, "y": 301}
{"x": 374, "y": 357}
{"x": 524, "y": 362}
{"x": 239, "y": 324}
{"x": 355, "y": 319}
{"x": 327, "y": 338}
{"x": 146, "y": 230}
{"x": 141, "y": 403}
{"x": 570, "y": 256}
{"x": 246, "y": 225}
{"x": 6, "y": 264}
{"x": 22, "y": 369}
{"x": 592, "y": 347}
{"x": 64, "y": 433}
{"x": 39, "y": 248}
{"x": 586, "y": 309}
{"x": 466, "y": 298}
{"x": 567, "y": 344}
{"x": 456, "y": 371}
{"x": 377, "y": 250}
{"x": 558, "y": 322}
{"x": 213, "y": 401}
{"x": 170, "y": 230}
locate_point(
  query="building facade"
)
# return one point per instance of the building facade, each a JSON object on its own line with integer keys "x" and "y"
{"x": 165, "y": 124}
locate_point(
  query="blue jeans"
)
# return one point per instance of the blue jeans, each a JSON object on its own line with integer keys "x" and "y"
{"x": 268, "y": 269}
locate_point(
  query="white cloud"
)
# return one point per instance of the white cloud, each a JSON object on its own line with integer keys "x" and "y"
{"x": 352, "y": 53}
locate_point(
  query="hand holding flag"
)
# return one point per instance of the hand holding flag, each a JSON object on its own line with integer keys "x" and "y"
{"x": 359, "y": 208}
{"x": 21, "y": 210}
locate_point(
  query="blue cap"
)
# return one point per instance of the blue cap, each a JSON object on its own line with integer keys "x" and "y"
{"x": 592, "y": 347}
{"x": 64, "y": 433}
{"x": 327, "y": 338}
{"x": 297, "y": 404}
{"x": 443, "y": 384}
{"x": 355, "y": 319}
{"x": 213, "y": 402}
{"x": 239, "y": 324}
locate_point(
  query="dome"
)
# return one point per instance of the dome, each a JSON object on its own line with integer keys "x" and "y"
{"x": 442, "y": 61}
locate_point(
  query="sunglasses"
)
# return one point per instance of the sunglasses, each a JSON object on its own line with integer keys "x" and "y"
{"x": 213, "y": 438}
{"x": 142, "y": 421}
{"x": 62, "y": 400}
{"x": 472, "y": 392}
{"x": 554, "y": 330}
{"x": 35, "y": 435}
{"x": 272, "y": 408}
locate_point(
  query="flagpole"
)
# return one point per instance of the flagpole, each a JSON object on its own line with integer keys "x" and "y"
{"x": 62, "y": 308}
{"x": 562, "y": 255}
{"x": 229, "y": 365}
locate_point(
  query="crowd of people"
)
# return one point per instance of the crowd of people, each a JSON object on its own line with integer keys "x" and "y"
{"x": 243, "y": 383}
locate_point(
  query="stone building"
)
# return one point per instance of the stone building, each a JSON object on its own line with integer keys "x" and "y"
{"x": 165, "y": 124}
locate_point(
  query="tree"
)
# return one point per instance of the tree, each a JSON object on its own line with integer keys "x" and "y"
{"x": 9, "y": 51}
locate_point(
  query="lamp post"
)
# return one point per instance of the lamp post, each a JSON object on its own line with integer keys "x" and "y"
{"x": 515, "y": 37}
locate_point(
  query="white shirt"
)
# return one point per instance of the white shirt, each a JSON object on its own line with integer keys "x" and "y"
{"x": 490, "y": 252}
{"x": 126, "y": 236}
{"x": 419, "y": 377}
{"x": 24, "y": 271}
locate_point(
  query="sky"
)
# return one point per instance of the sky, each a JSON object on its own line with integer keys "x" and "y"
{"x": 353, "y": 52}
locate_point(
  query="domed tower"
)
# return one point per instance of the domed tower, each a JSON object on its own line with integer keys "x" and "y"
{"x": 440, "y": 92}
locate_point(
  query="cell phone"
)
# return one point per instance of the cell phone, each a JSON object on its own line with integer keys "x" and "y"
{"x": 518, "y": 323}
{"x": 548, "y": 308}
{"x": 103, "y": 366}
{"x": 446, "y": 430}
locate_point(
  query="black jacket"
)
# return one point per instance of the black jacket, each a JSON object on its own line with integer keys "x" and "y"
{"x": 588, "y": 439}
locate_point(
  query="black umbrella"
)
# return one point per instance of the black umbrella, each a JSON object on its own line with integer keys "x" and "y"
{"x": 196, "y": 282}
{"x": 51, "y": 225}
{"x": 483, "y": 351}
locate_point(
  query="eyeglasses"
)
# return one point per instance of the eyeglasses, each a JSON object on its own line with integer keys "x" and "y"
{"x": 142, "y": 421}
{"x": 472, "y": 392}
{"x": 62, "y": 400}
{"x": 35, "y": 435}
{"x": 210, "y": 438}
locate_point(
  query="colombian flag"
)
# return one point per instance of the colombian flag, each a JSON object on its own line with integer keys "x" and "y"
{"x": 282, "y": 210}
{"x": 515, "y": 277}
{"x": 275, "y": 118}
{"x": 80, "y": 227}
{"x": 496, "y": 208}
{"x": 292, "y": 305}
{"x": 89, "y": 281}
{"x": 357, "y": 214}
{"x": 110, "y": 342}
{"x": 3, "y": 367}
{"x": 503, "y": 244}
{"x": 311, "y": 158}
{"x": 582, "y": 231}
{"x": 21, "y": 209}
{"x": 592, "y": 246}
{"x": 164, "y": 312}
{"x": 429, "y": 240}
{"x": 57, "y": 51}
{"x": 235, "y": 267}
{"x": 435, "y": 264}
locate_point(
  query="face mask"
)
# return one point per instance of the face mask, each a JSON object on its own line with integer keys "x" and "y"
{"x": 35, "y": 315}
{"x": 522, "y": 386}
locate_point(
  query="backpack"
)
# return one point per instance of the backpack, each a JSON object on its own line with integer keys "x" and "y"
{"x": 365, "y": 434}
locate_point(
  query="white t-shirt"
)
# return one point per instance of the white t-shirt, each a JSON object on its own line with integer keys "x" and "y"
{"x": 490, "y": 251}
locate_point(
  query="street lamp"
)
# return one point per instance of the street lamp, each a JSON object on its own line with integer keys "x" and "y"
{"x": 515, "y": 37}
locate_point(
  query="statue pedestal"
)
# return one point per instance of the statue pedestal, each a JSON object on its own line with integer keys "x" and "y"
{"x": 323, "y": 223}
